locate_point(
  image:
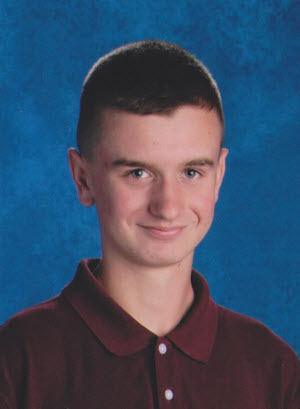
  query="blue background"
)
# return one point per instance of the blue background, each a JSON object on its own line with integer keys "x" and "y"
{"x": 251, "y": 255}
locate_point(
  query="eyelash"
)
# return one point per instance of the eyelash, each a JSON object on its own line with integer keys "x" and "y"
{"x": 193, "y": 170}
{"x": 132, "y": 172}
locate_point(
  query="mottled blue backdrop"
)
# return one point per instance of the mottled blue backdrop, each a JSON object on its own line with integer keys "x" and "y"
{"x": 251, "y": 255}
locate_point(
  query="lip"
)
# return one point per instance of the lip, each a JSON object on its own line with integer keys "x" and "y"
{"x": 163, "y": 232}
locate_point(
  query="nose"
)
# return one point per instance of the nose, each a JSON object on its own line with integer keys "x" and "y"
{"x": 167, "y": 200}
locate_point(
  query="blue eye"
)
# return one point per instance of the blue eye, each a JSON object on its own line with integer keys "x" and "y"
{"x": 138, "y": 173}
{"x": 191, "y": 173}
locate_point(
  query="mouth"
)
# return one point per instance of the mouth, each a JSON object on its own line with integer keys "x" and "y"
{"x": 163, "y": 232}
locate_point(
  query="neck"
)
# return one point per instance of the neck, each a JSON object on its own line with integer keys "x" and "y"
{"x": 158, "y": 298}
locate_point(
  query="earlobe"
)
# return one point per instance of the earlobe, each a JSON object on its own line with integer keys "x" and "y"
{"x": 220, "y": 171}
{"x": 79, "y": 174}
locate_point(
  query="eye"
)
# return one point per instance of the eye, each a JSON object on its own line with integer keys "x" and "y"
{"x": 191, "y": 173}
{"x": 138, "y": 174}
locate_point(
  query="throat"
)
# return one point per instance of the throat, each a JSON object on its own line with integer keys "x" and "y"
{"x": 161, "y": 316}
{"x": 158, "y": 301}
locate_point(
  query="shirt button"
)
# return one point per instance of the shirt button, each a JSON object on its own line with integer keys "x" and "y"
{"x": 162, "y": 348}
{"x": 169, "y": 394}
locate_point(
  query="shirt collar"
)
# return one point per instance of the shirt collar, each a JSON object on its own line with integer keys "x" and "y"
{"x": 121, "y": 334}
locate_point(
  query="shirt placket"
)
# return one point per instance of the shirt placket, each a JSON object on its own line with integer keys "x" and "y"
{"x": 167, "y": 390}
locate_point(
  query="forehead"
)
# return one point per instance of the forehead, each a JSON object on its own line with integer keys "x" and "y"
{"x": 186, "y": 131}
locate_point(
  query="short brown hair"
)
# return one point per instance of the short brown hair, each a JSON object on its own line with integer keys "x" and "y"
{"x": 144, "y": 77}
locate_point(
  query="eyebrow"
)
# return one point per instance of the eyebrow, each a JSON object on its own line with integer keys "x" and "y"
{"x": 201, "y": 162}
{"x": 134, "y": 163}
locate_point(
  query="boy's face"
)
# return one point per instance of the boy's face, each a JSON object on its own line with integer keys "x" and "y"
{"x": 155, "y": 180}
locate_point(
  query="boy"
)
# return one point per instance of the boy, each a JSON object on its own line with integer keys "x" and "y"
{"x": 138, "y": 328}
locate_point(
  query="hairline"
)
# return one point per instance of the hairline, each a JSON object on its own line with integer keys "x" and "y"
{"x": 88, "y": 155}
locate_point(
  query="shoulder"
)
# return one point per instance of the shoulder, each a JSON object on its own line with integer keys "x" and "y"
{"x": 257, "y": 346}
{"x": 253, "y": 334}
{"x": 41, "y": 316}
{"x": 247, "y": 344}
{"x": 29, "y": 340}
{"x": 34, "y": 328}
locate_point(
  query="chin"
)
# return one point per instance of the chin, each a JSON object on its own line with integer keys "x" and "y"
{"x": 158, "y": 260}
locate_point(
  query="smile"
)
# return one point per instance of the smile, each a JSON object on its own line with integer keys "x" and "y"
{"x": 163, "y": 232}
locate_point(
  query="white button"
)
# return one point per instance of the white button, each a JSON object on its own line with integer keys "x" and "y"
{"x": 162, "y": 348}
{"x": 169, "y": 394}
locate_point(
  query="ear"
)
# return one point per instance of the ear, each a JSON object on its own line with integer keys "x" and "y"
{"x": 220, "y": 171}
{"x": 78, "y": 168}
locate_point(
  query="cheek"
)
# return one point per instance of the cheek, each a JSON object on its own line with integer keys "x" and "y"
{"x": 209, "y": 203}
{"x": 204, "y": 207}
{"x": 114, "y": 204}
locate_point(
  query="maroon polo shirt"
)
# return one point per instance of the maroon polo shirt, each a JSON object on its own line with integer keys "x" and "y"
{"x": 80, "y": 350}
